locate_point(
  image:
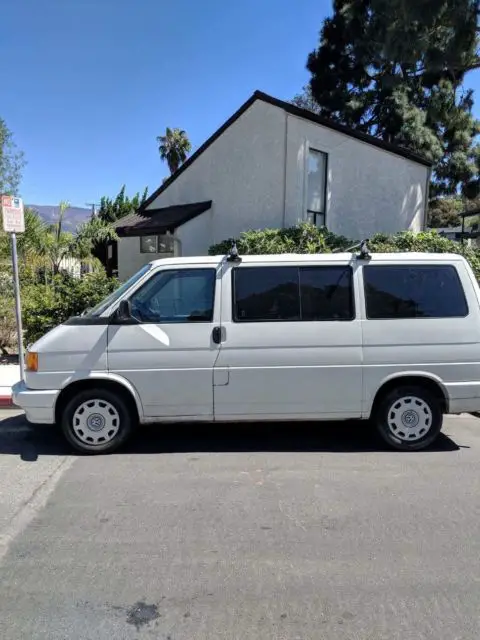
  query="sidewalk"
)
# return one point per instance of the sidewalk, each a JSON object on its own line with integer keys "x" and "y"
{"x": 9, "y": 374}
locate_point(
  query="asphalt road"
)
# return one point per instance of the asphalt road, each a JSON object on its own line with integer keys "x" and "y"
{"x": 260, "y": 532}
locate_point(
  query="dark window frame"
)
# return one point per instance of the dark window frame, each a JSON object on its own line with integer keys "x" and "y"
{"x": 161, "y": 271}
{"x": 325, "y": 190}
{"x": 346, "y": 267}
{"x": 451, "y": 267}
{"x": 157, "y": 237}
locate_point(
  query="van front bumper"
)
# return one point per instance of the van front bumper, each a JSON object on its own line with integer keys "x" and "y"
{"x": 38, "y": 404}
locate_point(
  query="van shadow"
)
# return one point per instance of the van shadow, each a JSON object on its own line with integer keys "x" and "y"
{"x": 330, "y": 437}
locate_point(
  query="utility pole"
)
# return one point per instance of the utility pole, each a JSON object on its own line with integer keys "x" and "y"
{"x": 93, "y": 206}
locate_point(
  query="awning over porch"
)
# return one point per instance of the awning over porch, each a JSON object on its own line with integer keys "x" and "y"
{"x": 158, "y": 221}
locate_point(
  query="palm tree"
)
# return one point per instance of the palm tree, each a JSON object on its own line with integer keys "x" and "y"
{"x": 174, "y": 148}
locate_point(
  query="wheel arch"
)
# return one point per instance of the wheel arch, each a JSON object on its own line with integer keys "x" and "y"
{"x": 111, "y": 382}
{"x": 411, "y": 378}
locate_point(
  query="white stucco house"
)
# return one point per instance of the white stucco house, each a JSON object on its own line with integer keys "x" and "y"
{"x": 274, "y": 165}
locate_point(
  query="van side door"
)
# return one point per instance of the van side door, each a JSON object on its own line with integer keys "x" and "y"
{"x": 292, "y": 346}
{"x": 167, "y": 351}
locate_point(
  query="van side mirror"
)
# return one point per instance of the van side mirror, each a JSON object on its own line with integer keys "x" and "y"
{"x": 124, "y": 311}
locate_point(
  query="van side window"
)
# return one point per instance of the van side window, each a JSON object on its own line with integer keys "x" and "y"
{"x": 413, "y": 291}
{"x": 263, "y": 294}
{"x": 176, "y": 295}
{"x": 289, "y": 294}
{"x": 326, "y": 293}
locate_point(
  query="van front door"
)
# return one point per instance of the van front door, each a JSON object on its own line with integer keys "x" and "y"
{"x": 167, "y": 352}
{"x": 292, "y": 343}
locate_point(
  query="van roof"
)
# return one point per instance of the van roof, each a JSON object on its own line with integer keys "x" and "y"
{"x": 317, "y": 257}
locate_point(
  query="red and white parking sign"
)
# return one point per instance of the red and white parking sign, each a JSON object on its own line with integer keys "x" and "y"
{"x": 12, "y": 214}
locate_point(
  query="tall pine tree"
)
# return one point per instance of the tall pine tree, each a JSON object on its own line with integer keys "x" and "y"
{"x": 395, "y": 69}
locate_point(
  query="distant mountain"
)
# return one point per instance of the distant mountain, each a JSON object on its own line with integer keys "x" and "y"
{"x": 72, "y": 218}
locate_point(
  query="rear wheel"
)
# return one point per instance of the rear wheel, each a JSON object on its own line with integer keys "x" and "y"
{"x": 96, "y": 421}
{"x": 409, "y": 418}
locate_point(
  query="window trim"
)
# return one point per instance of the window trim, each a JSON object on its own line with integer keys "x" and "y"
{"x": 448, "y": 266}
{"x": 161, "y": 271}
{"x": 298, "y": 268}
{"x": 325, "y": 187}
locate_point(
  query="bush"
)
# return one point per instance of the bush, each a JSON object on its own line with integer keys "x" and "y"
{"x": 306, "y": 238}
{"x": 426, "y": 241}
{"x": 8, "y": 324}
{"x": 47, "y": 305}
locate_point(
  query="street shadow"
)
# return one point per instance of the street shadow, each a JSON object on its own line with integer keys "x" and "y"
{"x": 330, "y": 437}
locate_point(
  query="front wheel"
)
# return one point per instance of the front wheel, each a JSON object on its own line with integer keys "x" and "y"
{"x": 409, "y": 418}
{"x": 96, "y": 421}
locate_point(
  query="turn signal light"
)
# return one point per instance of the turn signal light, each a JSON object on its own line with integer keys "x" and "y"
{"x": 31, "y": 361}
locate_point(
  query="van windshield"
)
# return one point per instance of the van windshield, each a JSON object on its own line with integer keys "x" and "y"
{"x": 118, "y": 293}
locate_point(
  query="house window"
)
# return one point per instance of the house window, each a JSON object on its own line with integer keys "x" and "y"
{"x": 316, "y": 187}
{"x": 157, "y": 244}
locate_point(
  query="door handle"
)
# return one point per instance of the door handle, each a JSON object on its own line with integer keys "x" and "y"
{"x": 217, "y": 335}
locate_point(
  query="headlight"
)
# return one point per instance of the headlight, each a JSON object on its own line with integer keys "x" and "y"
{"x": 31, "y": 361}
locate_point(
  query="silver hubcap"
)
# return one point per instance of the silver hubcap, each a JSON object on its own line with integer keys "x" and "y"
{"x": 409, "y": 418}
{"x": 96, "y": 422}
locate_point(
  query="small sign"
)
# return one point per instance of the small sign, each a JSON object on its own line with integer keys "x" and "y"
{"x": 12, "y": 214}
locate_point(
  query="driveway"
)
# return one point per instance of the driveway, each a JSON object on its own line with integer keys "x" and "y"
{"x": 266, "y": 531}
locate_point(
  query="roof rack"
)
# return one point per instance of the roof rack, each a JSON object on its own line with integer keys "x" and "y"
{"x": 363, "y": 254}
{"x": 233, "y": 255}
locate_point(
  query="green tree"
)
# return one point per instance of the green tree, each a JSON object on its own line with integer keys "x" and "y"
{"x": 444, "y": 212}
{"x": 28, "y": 243}
{"x": 55, "y": 244}
{"x": 101, "y": 225}
{"x": 305, "y": 100}
{"x": 112, "y": 209}
{"x": 11, "y": 162}
{"x": 395, "y": 69}
{"x": 174, "y": 148}
{"x": 91, "y": 235}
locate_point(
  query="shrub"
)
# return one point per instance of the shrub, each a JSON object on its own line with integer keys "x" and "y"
{"x": 306, "y": 238}
{"x": 47, "y": 305}
{"x": 8, "y": 324}
{"x": 426, "y": 241}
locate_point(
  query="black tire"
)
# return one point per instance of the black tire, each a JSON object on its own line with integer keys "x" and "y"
{"x": 398, "y": 406}
{"x": 107, "y": 401}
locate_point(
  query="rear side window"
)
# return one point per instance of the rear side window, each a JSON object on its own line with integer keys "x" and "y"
{"x": 417, "y": 291}
{"x": 275, "y": 294}
{"x": 326, "y": 293}
{"x": 266, "y": 294}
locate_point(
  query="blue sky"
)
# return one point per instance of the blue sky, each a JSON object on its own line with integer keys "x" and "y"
{"x": 87, "y": 85}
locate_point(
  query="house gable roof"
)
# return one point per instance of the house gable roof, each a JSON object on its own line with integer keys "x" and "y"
{"x": 156, "y": 221}
{"x": 299, "y": 113}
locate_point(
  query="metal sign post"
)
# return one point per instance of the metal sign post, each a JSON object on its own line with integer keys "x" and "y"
{"x": 13, "y": 223}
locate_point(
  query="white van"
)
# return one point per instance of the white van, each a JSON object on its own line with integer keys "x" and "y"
{"x": 392, "y": 337}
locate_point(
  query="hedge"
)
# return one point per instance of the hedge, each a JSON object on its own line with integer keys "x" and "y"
{"x": 306, "y": 238}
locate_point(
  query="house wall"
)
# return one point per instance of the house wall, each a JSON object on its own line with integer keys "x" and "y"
{"x": 255, "y": 175}
{"x": 242, "y": 172}
{"x": 130, "y": 259}
{"x": 369, "y": 190}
